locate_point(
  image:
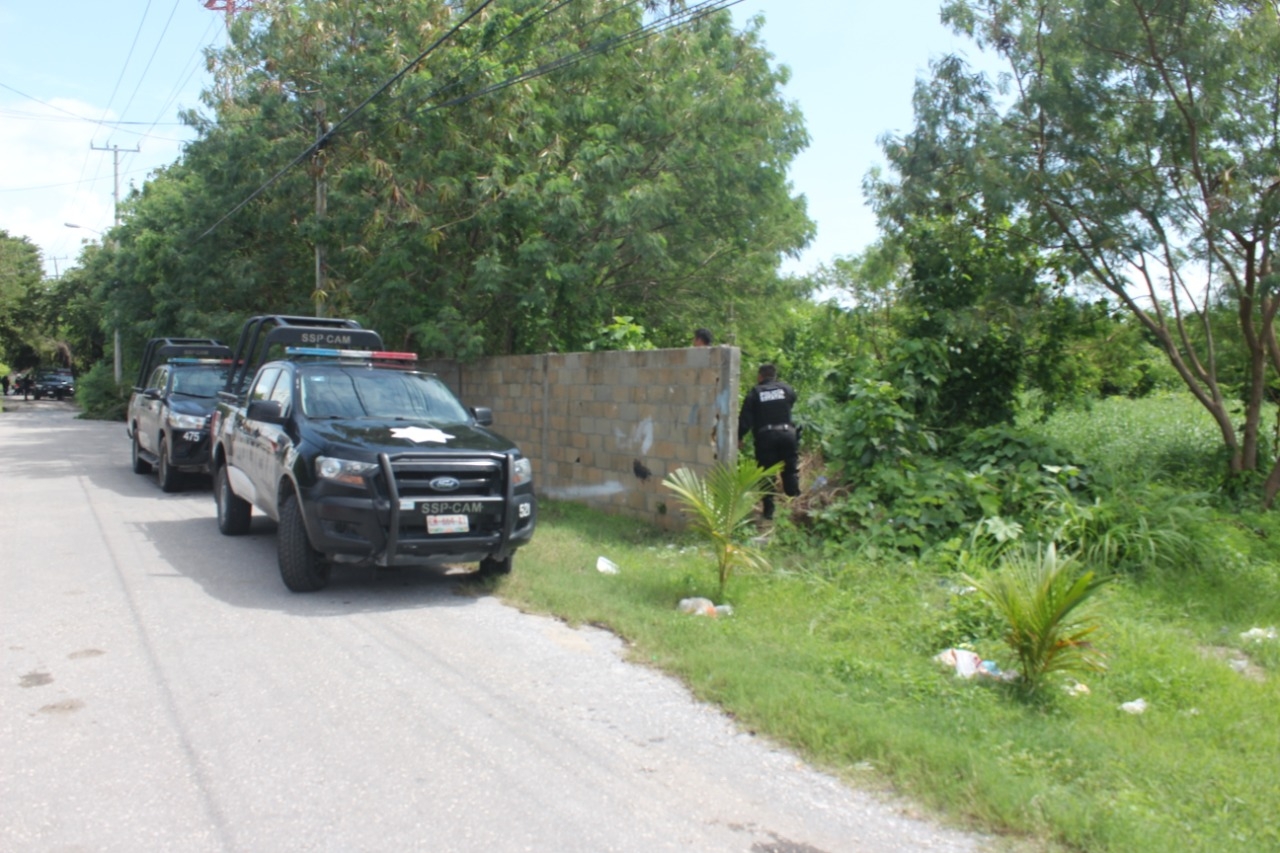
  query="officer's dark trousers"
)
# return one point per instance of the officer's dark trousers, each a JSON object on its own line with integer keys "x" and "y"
{"x": 774, "y": 446}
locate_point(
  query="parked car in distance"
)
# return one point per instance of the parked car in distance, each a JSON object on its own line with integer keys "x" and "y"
{"x": 57, "y": 383}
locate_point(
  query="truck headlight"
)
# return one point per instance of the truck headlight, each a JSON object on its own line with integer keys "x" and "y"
{"x": 186, "y": 421}
{"x": 345, "y": 471}
{"x": 521, "y": 472}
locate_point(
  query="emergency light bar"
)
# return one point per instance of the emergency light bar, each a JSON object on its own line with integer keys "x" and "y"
{"x": 323, "y": 352}
{"x": 185, "y": 360}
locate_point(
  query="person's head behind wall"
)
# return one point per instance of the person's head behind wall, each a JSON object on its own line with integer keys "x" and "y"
{"x": 702, "y": 338}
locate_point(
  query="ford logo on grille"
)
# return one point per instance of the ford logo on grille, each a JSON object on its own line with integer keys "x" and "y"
{"x": 445, "y": 484}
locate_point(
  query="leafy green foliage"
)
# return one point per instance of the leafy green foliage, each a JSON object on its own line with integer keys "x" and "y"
{"x": 719, "y": 509}
{"x": 1137, "y": 150}
{"x": 1042, "y": 599}
{"x": 21, "y": 318}
{"x": 99, "y": 396}
{"x": 621, "y": 334}
{"x": 648, "y": 181}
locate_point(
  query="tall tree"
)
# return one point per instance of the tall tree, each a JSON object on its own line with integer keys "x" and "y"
{"x": 1142, "y": 139}
{"x": 468, "y": 209}
{"x": 21, "y": 303}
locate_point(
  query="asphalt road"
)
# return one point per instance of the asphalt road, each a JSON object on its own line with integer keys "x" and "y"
{"x": 163, "y": 691}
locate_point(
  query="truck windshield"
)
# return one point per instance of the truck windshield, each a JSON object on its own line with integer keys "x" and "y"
{"x": 199, "y": 381}
{"x": 342, "y": 392}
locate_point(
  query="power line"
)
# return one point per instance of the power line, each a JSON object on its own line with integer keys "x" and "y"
{"x": 111, "y": 125}
{"x": 120, "y": 78}
{"x": 68, "y": 183}
{"x": 684, "y": 17}
{"x": 327, "y": 135}
{"x": 679, "y": 19}
{"x": 143, "y": 76}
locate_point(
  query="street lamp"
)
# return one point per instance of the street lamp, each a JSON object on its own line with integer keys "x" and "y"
{"x": 83, "y": 227}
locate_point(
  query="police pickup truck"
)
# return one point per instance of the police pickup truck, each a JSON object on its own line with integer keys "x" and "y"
{"x": 168, "y": 416}
{"x": 360, "y": 457}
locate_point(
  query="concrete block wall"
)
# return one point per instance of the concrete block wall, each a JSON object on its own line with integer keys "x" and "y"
{"x": 605, "y": 428}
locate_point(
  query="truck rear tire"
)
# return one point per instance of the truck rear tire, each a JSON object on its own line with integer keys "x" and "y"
{"x": 491, "y": 567}
{"x": 302, "y": 567}
{"x": 140, "y": 465}
{"x": 166, "y": 475}
{"x": 233, "y": 511}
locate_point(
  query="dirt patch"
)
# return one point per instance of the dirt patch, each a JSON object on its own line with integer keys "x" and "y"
{"x": 1237, "y": 660}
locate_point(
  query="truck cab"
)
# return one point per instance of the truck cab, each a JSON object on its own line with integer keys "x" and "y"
{"x": 173, "y": 397}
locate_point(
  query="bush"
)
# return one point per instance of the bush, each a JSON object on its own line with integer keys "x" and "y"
{"x": 99, "y": 396}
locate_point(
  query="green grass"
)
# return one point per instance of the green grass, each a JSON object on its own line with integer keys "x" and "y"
{"x": 832, "y": 656}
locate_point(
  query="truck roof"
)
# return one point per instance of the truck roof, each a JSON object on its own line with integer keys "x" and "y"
{"x": 160, "y": 350}
{"x": 261, "y": 333}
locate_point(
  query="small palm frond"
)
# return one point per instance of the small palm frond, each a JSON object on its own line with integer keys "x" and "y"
{"x": 1043, "y": 604}
{"x": 719, "y": 508}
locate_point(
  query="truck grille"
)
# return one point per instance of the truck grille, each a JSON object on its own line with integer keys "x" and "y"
{"x": 417, "y": 479}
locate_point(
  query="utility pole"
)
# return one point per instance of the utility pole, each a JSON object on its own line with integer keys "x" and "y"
{"x": 115, "y": 159}
{"x": 318, "y": 161}
{"x": 117, "y": 361}
{"x": 57, "y": 275}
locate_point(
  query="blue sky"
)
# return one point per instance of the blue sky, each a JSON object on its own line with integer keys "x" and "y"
{"x": 853, "y": 65}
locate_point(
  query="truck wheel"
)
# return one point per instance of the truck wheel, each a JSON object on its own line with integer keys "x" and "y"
{"x": 166, "y": 474}
{"x": 140, "y": 465}
{"x": 233, "y": 511}
{"x": 491, "y": 567}
{"x": 302, "y": 567}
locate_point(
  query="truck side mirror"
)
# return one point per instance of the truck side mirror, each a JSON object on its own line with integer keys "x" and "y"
{"x": 483, "y": 415}
{"x": 268, "y": 411}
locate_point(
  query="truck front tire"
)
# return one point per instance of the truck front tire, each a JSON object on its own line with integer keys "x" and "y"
{"x": 302, "y": 567}
{"x": 166, "y": 474}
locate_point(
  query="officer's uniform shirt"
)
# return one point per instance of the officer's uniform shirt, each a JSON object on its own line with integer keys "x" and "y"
{"x": 768, "y": 404}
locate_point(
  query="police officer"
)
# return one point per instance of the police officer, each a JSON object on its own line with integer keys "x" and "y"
{"x": 766, "y": 414}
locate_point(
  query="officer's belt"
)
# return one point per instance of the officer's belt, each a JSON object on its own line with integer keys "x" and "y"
{"x": 771, "y": 427}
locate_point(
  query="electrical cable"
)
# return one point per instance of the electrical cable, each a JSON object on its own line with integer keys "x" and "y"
{"x": 679, "y": 19}
{"x": 119, "y": 79}
{"x": 67, "y": 184}
{"x": 327, "y": 135}
{"x": 684, "y": 17}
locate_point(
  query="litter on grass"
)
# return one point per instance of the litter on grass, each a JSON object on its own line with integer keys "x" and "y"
{"x": 1258, "y": 634}
{"x": 1137, "y": 706}
{"x": 968, "y": 664}
{"x": 606, "y": 566}
{"x": 704, "y": 607}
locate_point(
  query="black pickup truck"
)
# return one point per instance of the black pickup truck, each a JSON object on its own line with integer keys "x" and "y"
{"x": 168, "y": 416}
{"x": 361, "y": 458}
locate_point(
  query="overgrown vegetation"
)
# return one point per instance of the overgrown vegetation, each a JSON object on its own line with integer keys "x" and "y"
{"x": 831, "y": 651}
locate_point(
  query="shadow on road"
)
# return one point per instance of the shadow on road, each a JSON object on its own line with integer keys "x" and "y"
{"x": 242, "y": 571}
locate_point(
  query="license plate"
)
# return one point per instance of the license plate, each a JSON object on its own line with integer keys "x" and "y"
{"x": 447, "y": 524}
{"x": 192, "y": 437}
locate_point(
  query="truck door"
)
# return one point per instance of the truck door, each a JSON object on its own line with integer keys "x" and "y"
{"x": 149, "y": 410}
{"x": 245, "y": 455}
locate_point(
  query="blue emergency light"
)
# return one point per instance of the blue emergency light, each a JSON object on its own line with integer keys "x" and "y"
{"x": 375, "y": 355}
{"x": 185, "y": 360}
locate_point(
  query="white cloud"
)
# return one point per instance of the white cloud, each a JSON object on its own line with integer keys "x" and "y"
{"x": 51, "y": 175}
